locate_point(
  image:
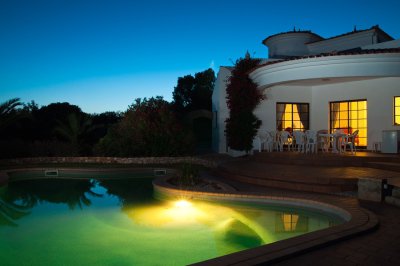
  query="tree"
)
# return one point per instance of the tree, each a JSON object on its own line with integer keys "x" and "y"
{"x": 47, "y": 118}
{"x": 149, "y": 128}
{"x": 182, "y": 93}
{"x": 193, "y": 93}
{"x": 242, "y": 98}
{"x": 102, "y": 123}
{"x": 203, "y": 88}
{"x": 8, "y": 112}
{"x": 75, "y": 130}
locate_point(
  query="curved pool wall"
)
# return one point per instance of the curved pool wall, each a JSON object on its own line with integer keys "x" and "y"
{"x": 357, "y": 221}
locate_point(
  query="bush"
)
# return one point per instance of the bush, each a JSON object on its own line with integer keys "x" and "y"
{"x": 149, "y": 128}
{"x": 18, "y": 148}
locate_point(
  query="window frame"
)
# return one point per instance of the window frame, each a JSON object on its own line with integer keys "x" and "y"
{"x": 394, "y": 111}
{"x": 306, "y": 127}
{"x": 349, "y": 116}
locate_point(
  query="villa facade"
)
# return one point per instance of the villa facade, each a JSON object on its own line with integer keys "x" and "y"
{"x": 349, "y": 82}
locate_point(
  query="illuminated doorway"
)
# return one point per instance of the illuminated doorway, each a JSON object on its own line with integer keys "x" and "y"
{"x": 350, "y": 116}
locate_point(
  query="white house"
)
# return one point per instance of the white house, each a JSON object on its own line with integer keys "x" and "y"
{"x": 350, "y": 81}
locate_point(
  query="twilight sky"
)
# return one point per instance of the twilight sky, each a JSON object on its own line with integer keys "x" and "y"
{"x": 102, "y": 54}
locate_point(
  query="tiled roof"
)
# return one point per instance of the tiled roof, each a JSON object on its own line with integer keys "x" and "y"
{"x": 355, "y": 31}
{"x": 376, "y": 27}
{"x": 341, "y": 53}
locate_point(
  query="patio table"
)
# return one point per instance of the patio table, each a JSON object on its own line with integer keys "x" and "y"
{"x": 335, "y": 140}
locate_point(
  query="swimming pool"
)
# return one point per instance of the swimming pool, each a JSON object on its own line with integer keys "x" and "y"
{"x": 113, "y": 221}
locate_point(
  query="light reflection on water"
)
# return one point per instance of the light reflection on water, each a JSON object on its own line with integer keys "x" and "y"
{"x": 88, "y": 221}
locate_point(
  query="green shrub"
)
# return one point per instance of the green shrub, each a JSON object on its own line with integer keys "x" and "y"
{"x": 149, "y": 128}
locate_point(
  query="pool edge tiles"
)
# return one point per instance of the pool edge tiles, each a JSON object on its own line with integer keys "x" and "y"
{"x": 66, "y": 172}
{"x": 357, "y": 221}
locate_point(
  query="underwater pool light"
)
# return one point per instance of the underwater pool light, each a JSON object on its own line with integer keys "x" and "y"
{"x": 183, "y": 203}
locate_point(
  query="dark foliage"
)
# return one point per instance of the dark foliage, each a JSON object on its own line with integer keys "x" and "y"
{"x": 193, "y": 93}
{"x": 58, "y": 129}
{"x": 242, "y": 98}
{"x": 149, "y": 128}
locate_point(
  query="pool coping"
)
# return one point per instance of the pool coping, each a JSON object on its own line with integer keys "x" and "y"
{"x": 358, "y": 221}
{"x": 5, "y": 177}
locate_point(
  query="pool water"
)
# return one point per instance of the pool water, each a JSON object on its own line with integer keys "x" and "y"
{"x": 120, "y": 222}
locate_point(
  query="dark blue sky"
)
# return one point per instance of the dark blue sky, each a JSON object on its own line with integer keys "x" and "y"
{"x": 101, "y": 55}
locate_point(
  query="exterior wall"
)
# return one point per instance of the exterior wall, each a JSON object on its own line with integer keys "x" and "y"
{"x": 220, "y": 111}
{"x": 266, "y": 111}
{"x": 383, "y": 45}
{"x": 328, "y": 67}
{"x": 378, "y": 91}
{"x": 343, "y": 43}
{"x": 379, "y": 94}
{"x": 320, "y": 80}
{"x": 290, "y": 44}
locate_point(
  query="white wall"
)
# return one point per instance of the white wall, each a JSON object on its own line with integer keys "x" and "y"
{"x": 383, "y": 45}
{"x": 343, "y": 43}
{"x": 290, "y": 44}
{"x": 266, "y": 111}
{"x": 220, "y": 108}
{"x": 378, "y": 92}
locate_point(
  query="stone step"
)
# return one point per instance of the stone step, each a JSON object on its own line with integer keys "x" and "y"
{"x": 391, "y": 166}
{"x": 299, "y": 184}
{"x": 326, "y": 159}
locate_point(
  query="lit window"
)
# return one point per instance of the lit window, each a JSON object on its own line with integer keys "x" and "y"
{"x": 292, "y": 116}
{"x": 397, "y": 110}
{"x": 286, "y": 222}
{"x": 350, "y": 116}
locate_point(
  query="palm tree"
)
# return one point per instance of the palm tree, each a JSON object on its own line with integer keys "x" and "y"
{"x": 10, "y": 212}
{"x": 8, "y": 113}
{"x": 75, "y": 129}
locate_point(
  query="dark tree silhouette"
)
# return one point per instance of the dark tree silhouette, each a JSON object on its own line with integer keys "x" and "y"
{"x": 192, "y": 93}
{"x": 76, "y": 130}
{"x": 48, "y": 118}
{"x": 9, "y": 113}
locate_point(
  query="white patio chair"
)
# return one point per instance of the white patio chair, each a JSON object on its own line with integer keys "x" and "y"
{"x": 311, "y": 141}
{"x": 323, "y": 142}
{"x": 349, "y": 140}
{"x": 269, "y": 142}
{"x": 258, "y": 143}
{"x": 263, "y": 142}
{"x": 284, "y": 139}
{"x": 299, "y": 140}
{"x": 275, "y": 135}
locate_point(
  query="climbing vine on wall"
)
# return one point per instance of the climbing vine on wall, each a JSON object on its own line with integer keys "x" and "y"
{"x": 242, "y": 98}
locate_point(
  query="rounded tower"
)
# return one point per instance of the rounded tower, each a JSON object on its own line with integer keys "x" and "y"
{"x": 288, "y": 44}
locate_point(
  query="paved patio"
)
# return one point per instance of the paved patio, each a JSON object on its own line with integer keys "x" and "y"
{"x": 380, "y": 247}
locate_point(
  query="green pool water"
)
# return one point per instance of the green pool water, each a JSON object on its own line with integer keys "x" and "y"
{"x": 119, "y": 222}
